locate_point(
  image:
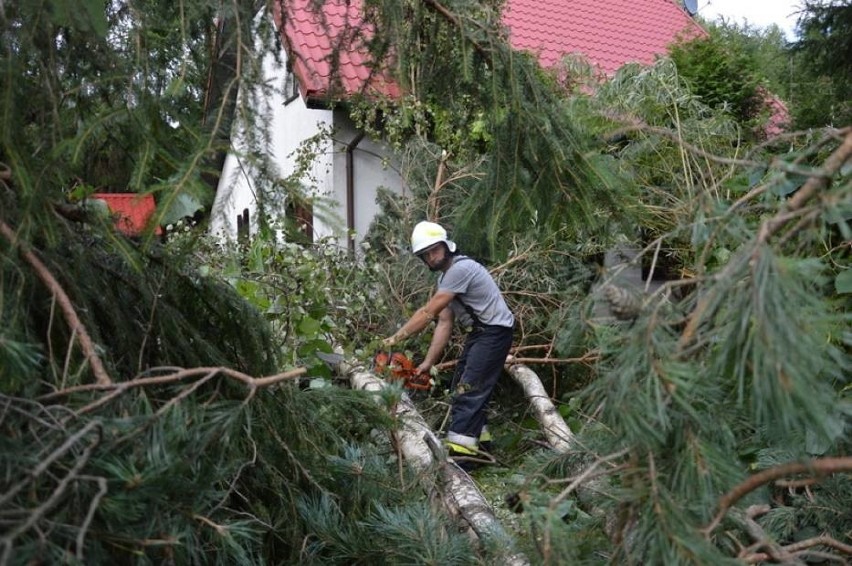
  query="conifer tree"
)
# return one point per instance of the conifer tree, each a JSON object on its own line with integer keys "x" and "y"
{"x": 152, "y": 413}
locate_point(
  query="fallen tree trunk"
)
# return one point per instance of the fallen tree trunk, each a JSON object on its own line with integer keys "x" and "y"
{"x": 557, "y": 433}
{"x": 559, "y": 436}
{"x": 413, "y": 430}
{"x": 457, "y": 491}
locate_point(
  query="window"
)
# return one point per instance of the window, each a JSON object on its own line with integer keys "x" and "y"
{"x": 291, "y": 86}
{"x": 300, "y": 215}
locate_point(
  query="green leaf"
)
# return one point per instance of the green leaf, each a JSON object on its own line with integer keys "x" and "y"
{"x": 755, "y": 176}
{"x": 278, "y": 306}
{"x": 180, "y": 207}
{"x": 843, "y": 282}
{"x": 91, "y": 18}
{"x": 310, "y": 347}
{"x": 309, "y": 326}
{"x": 790, "y": 183}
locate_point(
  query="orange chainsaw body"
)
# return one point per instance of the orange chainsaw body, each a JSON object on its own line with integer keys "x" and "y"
{"x": 396, "y": 366}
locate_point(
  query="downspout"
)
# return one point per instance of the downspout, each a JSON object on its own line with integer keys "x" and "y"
{"x": 350, "y": 190}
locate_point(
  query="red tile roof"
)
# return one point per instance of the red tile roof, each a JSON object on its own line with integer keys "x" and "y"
{"x": 779, "y": 115}
{"x": 133, "y": 211}
{"x": 609, "y": 32}
{"x": 314, "y": 38}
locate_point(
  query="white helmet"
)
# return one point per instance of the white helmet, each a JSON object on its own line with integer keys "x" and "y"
{"x": 426, "y": 234}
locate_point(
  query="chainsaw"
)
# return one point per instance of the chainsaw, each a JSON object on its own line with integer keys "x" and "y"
{"x": 396, "y": 366}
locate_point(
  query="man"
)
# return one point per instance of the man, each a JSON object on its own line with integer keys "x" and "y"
{"x": 468, "y": 294}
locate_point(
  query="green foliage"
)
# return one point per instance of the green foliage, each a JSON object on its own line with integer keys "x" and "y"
{"x": 642, "y": 116}
{"x": 722, "y": 75}
{"x": 739, "y": 366}
{"x": 823, "y": 87}
{"x": 810, "y": 74}
{"x": 410, "y": 534}
{"x": 500, "y": 119}
{"x": 313, "y": 296}
{"x": 766, "y": 48}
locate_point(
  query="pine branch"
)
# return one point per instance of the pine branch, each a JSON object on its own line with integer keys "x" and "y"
{"x": 57, "y": 494}
{"x": 637, "y": 125}
{"x": 53, "y": 457}
{"x": 590, "y": 473}
{"x": 769, "y": 227}
{"x": 77, "y": 328}
{"x": 453, "y": 19}
{"x": 774, "y": 550}
{"x": 814, "y": 184}
{"x": 821, "y": 541}
{"x": 816, "y": 467}
{"x": 90, "y": 514}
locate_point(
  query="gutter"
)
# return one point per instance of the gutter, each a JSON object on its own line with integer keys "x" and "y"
{"x": 350, "y": 190}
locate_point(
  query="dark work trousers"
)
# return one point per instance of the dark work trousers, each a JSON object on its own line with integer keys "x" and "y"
{"x": 477, "y": 372}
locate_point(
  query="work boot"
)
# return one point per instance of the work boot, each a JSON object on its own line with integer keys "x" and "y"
{"x": 464, "y": 457}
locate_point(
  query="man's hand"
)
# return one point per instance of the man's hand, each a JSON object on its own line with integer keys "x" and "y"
{"x": 389, "y": 341}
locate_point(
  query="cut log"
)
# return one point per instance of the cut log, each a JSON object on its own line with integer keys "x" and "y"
{"x": 455, "y": 489}
{"x": 557, "y": 433}
{"x": 413, "y": 429}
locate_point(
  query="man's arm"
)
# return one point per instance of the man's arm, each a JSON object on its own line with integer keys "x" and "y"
{"x": 440, "y": 339}
{"x": 422, "y": 317}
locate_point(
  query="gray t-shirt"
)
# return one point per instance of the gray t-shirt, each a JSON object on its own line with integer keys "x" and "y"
{"x": 474, "y": 287}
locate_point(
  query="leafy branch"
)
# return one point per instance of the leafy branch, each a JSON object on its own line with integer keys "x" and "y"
{"x": 769, "y": 227}
{"x": 77, "y": 328}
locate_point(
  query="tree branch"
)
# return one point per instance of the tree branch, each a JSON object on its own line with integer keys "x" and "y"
{"x": 816, "y": 467}
{"x": 252, "y": 382}
{"x": 432, "y": 202}
{"x": 813, "y": 185}
{"x": 54, "y": 498}
{"x": 769, "y": 227}
{"x": 588, "y": 357}
{"x": 101, "y": 375}
{"x": 584, "y": 359}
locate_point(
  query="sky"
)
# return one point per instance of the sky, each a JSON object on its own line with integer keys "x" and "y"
{"x": 758, "y": 13}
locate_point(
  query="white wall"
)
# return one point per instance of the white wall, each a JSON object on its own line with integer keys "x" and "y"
{"x": 373, "y": 166}
{"x": 288, "y": 125}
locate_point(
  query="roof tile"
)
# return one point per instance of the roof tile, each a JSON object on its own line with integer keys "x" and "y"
{"x": 314, "y": 38}
{"x": 609, "y": 33}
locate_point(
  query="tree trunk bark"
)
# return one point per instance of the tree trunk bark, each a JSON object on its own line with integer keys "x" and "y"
{"x": 557, "y": 433}
{"x": 233, "y": 33}
{"x": 420, "y": 449}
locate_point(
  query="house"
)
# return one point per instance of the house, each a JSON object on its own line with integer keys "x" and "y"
{"x": 349, "y": 167}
